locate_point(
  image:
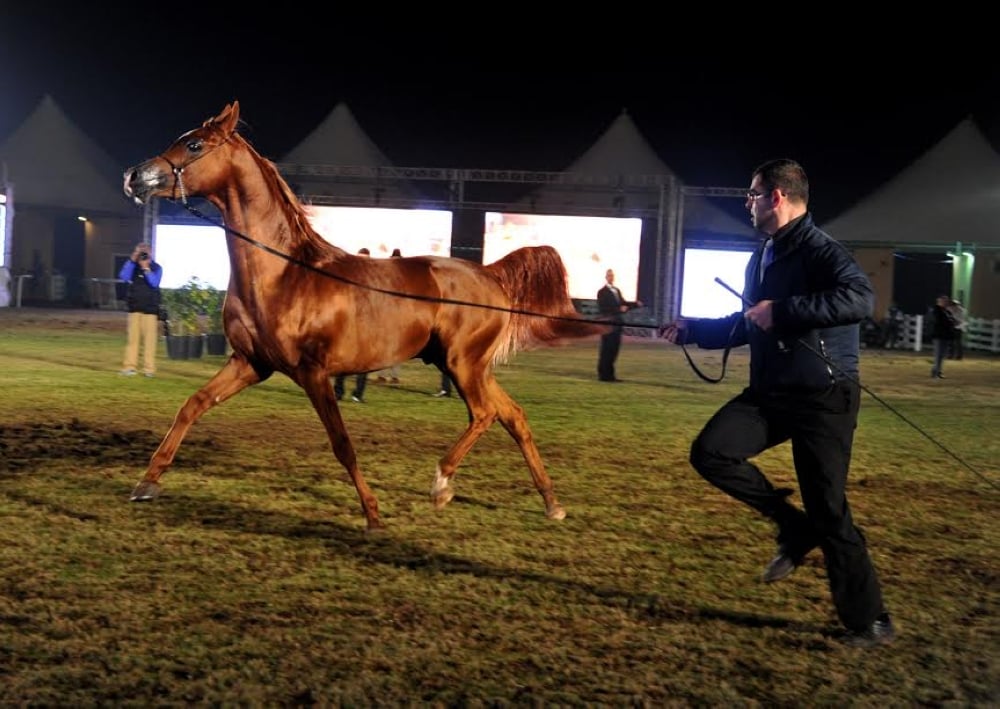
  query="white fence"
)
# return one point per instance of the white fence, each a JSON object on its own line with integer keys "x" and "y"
{"x": 980, "y": 334}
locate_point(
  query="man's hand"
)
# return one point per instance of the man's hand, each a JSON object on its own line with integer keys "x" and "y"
{"x": 761, "y": 315}
{"x": 676, "y": 332}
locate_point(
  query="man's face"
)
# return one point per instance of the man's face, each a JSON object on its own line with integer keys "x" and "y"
{"x": 760, "y": 205}
{"x": 610, "y": 275}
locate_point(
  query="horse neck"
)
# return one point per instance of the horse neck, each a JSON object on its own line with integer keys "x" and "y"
{"x": 257, "y": 204}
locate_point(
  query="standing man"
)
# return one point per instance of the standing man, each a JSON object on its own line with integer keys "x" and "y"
{"x": 942, "y": 333}
{"x": 958, "y": 318}
{"x": 805, "y": 296}
{"x": 613, "y": 306}
{"x": 142, "y": 275}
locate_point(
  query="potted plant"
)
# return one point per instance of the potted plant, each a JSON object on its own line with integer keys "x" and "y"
{"x": 185, "y": 319}
{"x": 215, "y": 338}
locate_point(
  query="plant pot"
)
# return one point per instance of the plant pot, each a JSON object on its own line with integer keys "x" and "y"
{"x": 196, "y": 346}
{"x": 185, "y": 346}
{"x": 177, "y": 347}
{"x": 216, "y": 343}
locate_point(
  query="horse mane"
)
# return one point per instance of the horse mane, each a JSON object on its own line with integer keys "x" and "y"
{"x": 288, "y": 201}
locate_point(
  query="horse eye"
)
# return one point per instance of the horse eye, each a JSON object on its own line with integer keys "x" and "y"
{"x": 195, "y": 145}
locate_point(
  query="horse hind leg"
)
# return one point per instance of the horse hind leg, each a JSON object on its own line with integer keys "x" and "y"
{"x": 441, "y": 490}
{"x": 480, "y": 419}
{"x": 486, "y": 403}
{"x": 515, "y": 422}
{"x": 235, "y": 375}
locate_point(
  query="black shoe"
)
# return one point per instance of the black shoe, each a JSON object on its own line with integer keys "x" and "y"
{"x": 782, "y": 565}
{"x": 778, "y": 568}
{"x": 880, "y": 632}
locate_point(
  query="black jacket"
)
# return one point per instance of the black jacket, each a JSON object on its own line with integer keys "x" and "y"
{"x": 609, "y": 304}
{"x": 143, "y": 290}
{"x": 942, "y": 324}
{"x": 820, "y": 295}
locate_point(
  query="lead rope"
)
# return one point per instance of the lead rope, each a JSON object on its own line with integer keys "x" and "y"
{"x": 725, "y": 358}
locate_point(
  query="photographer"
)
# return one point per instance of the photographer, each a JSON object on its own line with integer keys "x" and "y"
{"x": 143, "y": 301}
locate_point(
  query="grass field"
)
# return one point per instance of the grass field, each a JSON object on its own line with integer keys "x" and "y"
{"x": 251, "y": 580}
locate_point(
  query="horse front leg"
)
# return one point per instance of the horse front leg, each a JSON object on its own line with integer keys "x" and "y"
{"x": 235, "y": 376}
{"x": 320, "y": 390}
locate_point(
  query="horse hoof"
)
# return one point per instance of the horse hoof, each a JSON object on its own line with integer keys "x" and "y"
{"x": 145, "y": 491}
{"x": 442, "y": 498}
{"x": 374, "y": 528}
{"x": 556, "y": 512}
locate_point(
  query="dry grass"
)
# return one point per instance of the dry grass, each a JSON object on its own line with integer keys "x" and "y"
{"x": 251, "y": 580}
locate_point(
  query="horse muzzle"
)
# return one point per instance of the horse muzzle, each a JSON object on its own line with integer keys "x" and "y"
{"x": 140, "y": 182}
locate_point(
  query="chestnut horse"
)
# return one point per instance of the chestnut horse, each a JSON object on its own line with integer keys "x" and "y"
{"x": 298, "y": 305}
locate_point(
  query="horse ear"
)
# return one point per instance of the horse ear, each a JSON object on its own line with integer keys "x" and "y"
{"x": 229, "y": 117}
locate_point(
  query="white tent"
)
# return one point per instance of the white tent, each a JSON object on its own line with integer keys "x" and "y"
{"x": 52, "y": 163}
{"x": 338, "y": 163}
{"x": 636, "y": 173}
{"x": 946, "y": 202}
{"x": 949, "y": 195}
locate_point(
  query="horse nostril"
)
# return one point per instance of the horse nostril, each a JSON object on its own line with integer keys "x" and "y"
{"x": 127, "y": 179}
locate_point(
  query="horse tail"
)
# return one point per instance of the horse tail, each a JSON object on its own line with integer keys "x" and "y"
{"x": 542, "y": 313}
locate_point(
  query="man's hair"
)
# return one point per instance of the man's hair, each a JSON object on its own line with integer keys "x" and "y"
{"x": 785, "y": 175}
{"x": 364, "y": 251}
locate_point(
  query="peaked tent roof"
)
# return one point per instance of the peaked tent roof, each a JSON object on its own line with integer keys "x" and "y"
{"x": 52, "y": 163}
{"x": 950, "y": 194}
{"x": 621, "y": 145}
{"x": 623, "y": 150}
{"x": 338, "y": 140}
{"x": 341, "y": 142}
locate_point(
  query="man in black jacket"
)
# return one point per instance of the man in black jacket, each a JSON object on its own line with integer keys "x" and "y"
{"x": 142, "y": 274}
{"x": 804, "y": 298}
{"x": 613, "y": 306}
{"x": 943, "y": 333}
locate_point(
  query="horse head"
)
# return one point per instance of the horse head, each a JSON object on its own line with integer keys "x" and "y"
{"x": 181, "y": 171}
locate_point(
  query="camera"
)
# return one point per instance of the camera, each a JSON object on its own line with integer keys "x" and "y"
{"x": 143, "y": 255}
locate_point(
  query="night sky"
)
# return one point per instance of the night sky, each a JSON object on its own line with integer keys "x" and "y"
{"x": 854, "y": 108}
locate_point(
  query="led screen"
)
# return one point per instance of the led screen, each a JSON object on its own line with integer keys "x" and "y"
{"x": 701, "y": 295}
{"x": 589, "y": 246}
{"x": 200, "y": 251}
{"x": 187, "y": 252}
{"x": 415, "y": 232}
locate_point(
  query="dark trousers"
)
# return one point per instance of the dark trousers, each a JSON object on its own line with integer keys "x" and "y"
{"x": 940, "y": 351}
{"x": 610, "y": 344}
{"x": 360, "y": 382}
{"x": 821, "y": 429}
{"x": 955, "y": 347}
